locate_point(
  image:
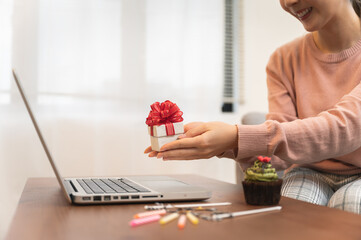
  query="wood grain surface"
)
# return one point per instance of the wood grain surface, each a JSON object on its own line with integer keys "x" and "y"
{"x": 44, "y": 213}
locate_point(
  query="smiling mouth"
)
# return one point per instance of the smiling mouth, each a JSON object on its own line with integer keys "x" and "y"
{"x": 303, "y": 14}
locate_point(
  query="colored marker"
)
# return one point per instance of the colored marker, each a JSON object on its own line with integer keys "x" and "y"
{"x": 150, "y": 213}
{"x": 168, "y": 218}
{"x": 154, "y": 207}
{"x": 141, "y": 221}
{"x": 192, "y": 218}
{"x": 182, "y": 221}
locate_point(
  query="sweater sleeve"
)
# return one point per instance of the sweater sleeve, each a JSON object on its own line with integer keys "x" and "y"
{"x": 281, "y": 101}
{"x": 332, "y": 133}
{"x": 281, "y": 89}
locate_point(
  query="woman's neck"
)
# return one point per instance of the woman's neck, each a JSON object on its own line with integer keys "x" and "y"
{"x": 340, "y": 34}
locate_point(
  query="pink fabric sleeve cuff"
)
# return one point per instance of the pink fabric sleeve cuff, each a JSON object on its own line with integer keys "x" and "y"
{"x": 252, "y": 141}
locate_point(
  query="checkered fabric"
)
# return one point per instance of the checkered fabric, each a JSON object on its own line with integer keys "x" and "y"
{"x": 332, "y": 190}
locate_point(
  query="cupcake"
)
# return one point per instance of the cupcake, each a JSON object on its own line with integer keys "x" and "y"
{"x": 261, "y": 184}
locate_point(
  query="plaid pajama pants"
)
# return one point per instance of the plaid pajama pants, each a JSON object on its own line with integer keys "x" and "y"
{"x": 332, "y": 190}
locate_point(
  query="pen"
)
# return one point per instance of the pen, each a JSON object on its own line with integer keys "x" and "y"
{"x": 161, "y": 206}
{"x": 221, "y": 216}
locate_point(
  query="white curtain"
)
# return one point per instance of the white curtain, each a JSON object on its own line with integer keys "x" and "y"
{"x": 123, "y": 50}
{"x": 6, "y": 7}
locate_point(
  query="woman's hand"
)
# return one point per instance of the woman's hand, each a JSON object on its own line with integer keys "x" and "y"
{"x": 187, "y": 127}
{"x": 200, "y": 140}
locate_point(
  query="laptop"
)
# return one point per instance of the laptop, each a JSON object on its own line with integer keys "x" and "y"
{"x": 104, "y": 190}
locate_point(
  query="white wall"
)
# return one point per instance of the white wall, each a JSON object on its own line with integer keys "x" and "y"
{"x": 267, "y": 26}
{"x": 121, "y": 139}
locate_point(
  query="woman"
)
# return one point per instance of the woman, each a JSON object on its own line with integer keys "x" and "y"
{"x": 313, "y": 127}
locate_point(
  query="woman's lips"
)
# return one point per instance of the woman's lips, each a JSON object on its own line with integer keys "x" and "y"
{"x": 304, "y": 13}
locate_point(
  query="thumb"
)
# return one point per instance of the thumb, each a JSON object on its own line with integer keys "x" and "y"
{"x": 195, "y": 131}
{"x": 191, "y": 125}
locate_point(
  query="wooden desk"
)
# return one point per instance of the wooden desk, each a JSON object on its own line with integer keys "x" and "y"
{"x": 43, "y": 213}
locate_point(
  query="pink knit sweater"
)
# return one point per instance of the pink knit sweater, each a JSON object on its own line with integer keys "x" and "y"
{"x": 314, "y": 117}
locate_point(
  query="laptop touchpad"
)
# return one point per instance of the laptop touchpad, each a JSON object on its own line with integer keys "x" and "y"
{"x": 167, "y": 185}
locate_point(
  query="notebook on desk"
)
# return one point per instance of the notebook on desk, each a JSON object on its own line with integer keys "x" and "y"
{"x": 103, "y": 190}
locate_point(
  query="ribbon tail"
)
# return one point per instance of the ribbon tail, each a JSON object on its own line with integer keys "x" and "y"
{"x": 169, "y": 128}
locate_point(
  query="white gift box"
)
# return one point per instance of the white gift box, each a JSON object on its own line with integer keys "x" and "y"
{"x": 160, "y": 137}
{"x": 158, "y": 142}
{"x": 160, "y": 131}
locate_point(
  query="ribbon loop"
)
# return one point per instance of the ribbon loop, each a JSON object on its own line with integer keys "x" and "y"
{"x": 163, "y": 113}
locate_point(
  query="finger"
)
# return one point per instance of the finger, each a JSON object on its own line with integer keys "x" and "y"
{"x": 191, "y": 125}
{"x": 182, "y": 136}
{"x": 181, "y": 143}
{"x": 188, "y": 127}
{"x": 182, "y": 154}
{"x": 148, "y": 149}
{"x": 159, "y": 155}
{"x": 198, "y": 130}
{"x": 152, "y": 154}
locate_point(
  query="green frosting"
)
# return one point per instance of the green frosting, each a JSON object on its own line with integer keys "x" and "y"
{"x": 261, "y": 171}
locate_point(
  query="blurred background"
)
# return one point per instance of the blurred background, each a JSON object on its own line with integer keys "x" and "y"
{"x": 92, "y": 68}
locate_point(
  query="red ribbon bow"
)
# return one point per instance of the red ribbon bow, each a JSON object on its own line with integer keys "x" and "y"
{"x": 164, "y": 113}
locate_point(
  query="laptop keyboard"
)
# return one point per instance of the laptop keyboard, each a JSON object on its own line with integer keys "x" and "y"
{"x": 110, "y": 185}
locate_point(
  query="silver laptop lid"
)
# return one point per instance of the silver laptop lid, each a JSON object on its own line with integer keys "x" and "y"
{"x": 42, "y": 140}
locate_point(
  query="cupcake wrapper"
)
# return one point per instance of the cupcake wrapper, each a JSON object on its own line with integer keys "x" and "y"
{"x": 262, "y": 193}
